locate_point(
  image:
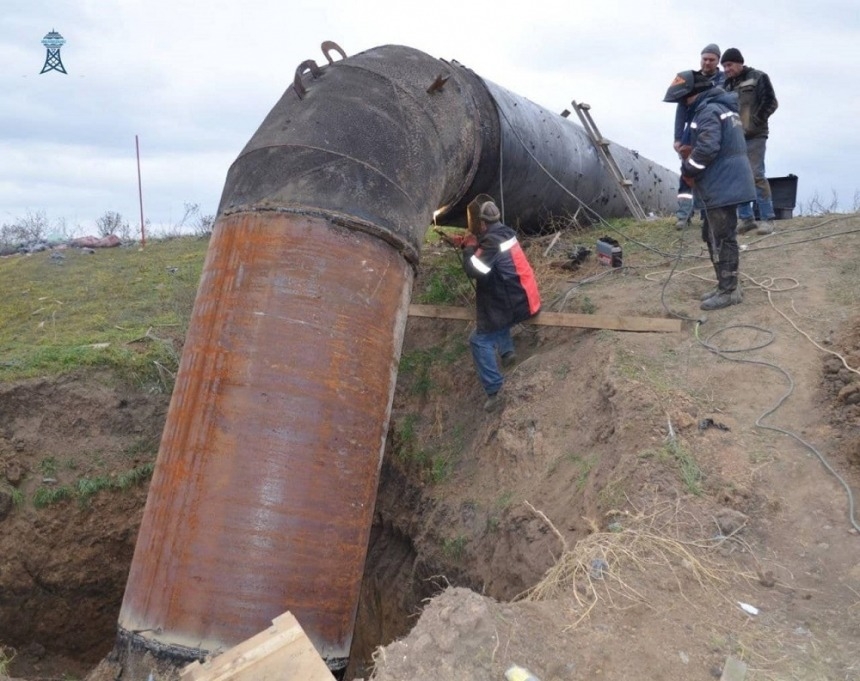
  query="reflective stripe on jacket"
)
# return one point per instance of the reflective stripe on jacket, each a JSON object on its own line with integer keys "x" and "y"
{"x": 718, "y": 162}
{"x": 506, "y": 289}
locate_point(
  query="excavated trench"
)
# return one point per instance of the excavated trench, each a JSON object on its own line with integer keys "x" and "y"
{"x": 59, "y": 617}
{"x": 65, "y": 565}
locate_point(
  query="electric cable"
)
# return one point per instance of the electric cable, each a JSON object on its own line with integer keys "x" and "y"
{"x": 722, "y": 352}
{"x": 700, "y": 321}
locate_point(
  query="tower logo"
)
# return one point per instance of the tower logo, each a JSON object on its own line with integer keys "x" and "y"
{"x": 53, "y": 41}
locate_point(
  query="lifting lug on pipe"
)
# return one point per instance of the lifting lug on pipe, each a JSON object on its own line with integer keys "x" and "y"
{"x": 307, "y": 65}
{"x": 437, "y": 84}
{"x": 330, "y": 45}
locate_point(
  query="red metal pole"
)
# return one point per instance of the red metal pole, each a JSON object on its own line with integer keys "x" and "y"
{"x": 140, "y": 193}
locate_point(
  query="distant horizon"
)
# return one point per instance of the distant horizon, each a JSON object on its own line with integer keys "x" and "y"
{"x": 194, "y": 87}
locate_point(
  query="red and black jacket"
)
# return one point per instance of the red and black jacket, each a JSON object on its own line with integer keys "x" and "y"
{"x": 507, "y": 291}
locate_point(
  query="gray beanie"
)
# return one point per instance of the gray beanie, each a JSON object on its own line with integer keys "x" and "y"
{"x": 489, "y": 212}
{"x": 712, "y": 49}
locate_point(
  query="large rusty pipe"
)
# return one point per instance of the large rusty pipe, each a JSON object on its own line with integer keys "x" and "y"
{"x": 265, "y": 483}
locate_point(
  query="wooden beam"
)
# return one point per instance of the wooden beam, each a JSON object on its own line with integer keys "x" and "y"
{"x": 280, "y": 653}
{"x": 582, "y": 321}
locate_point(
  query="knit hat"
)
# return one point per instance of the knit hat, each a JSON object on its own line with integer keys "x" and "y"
{"x": 712, "y": 49}
{"x": 733, "y": 54}
{"x": 490, "y": 212}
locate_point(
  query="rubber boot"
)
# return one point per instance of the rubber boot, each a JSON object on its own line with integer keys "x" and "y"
{"x": 729, "y": 293}
{"x": 714, "y": 291}
{"x": 746, "y": 225}
{"x": 723, "y": 299}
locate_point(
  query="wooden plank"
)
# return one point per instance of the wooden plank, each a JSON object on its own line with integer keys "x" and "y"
{"x": 280, "y": 653}
{"x": 569, "y": 319}
{"x": 734, "y": 670}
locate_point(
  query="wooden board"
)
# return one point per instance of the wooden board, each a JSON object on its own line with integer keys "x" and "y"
{"x": 582, "y": 321}
{"x": 280, "y": 653}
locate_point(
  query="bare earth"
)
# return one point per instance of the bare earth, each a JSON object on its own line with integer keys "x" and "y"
{"x": 620, "y": 518}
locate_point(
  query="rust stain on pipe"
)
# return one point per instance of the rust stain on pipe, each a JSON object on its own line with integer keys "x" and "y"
{"x": 265, "y": 483}
{"x": 263, "y": 494}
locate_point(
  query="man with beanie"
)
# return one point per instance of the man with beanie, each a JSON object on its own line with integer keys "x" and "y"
{"x": 717, "y": 170}
{"x": 506, "y": 294}
{"x": 710, "y": 60}
{"x": 757, "y": 102}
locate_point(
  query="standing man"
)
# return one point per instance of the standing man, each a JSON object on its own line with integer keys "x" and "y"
{"x": 718, "y": 172}
{"x": 506, "y": 294}
{"x": 710, "y": 67}
{"x": 757, "y": 102}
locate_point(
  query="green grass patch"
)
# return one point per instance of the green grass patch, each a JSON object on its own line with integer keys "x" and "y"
{"x": 47, "y": 496}
{"x": 135, "y": 476}
{"x": 454, "y": 547}
{"x": 87, "y": 487}
{"x": 7, "y": 654}
{"x": 124, "y": 309}
{"x": 444, "y": 282}
{"x": 48, "y": 467}
{"x": 142, "y": 447}
{"x": 584, "y": 466}
{"x": 678, "y": 455}
{"x": 612, "y": 495}
{"x": 406, "y": 443}
{"x": 415, "y": 368}
{"x": 14, "y": 493}
{"x": 587, "y": 305}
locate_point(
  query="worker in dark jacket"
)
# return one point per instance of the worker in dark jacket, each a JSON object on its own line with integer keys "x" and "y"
{"x": 710, "y": 63}
{"x": 717, "y": 169}
{"x": 757, "y": 102}
{"x": 506, "y": 294}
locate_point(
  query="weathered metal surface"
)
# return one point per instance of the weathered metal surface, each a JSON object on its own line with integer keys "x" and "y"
{"x": 263, "y": 491}
{"x": 548, "y": 166}
{"x": 366, "y": 141}
{"x": 265, "y": 483}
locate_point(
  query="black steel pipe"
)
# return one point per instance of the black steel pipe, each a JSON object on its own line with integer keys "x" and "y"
{"x": 265, "y": 483}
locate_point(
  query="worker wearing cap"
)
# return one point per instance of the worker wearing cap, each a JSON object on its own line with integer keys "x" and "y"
{"x": 506, "y": 294}
{"x": 709, "y": 64}
{"x": 757, "y": 103}
{"x": 717, "y": 170}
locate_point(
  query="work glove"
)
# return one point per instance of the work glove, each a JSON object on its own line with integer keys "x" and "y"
{"x": 689, "y": 181}
{"x": 684, "y": 151}
{"x": 462, "y": 241}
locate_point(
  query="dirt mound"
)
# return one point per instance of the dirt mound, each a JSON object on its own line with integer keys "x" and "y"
{"x": 635, "y": 501}
{"x": 672, "y": 491}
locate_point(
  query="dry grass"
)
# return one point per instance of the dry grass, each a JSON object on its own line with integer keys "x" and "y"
{"x": 615, "y": 568}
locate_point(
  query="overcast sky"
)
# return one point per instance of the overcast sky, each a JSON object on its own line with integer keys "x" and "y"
{"x": 193, "y": 80}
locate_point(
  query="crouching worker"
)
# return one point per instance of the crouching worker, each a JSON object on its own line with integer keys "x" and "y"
{"x": 506, "y": 293}
{"x": 714, "y": 168}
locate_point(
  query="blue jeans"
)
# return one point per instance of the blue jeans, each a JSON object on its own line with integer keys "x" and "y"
{"x": 484, "y": 347}
{"x": 756, "y": 148}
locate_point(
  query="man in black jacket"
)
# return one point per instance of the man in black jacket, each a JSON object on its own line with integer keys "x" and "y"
{"x": 506, "y": 294}
{"x": 757, "y": 102}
